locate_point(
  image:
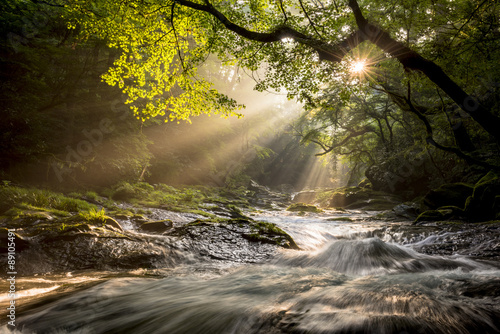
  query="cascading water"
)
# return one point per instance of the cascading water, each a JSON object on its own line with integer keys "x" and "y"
{"x": 353, "y": 283}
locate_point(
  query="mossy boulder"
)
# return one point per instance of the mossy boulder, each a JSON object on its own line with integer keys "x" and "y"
{"x": 139, "y": 219}
{"x": 484, "y": 204}
{"x": 405, "y": 174}
{"x": 452, "y": 194}
{"x": 365, "y": 183}
{"x": 269, "y": 233}
{"x": 302, "y": 207}
{"x": 343, "y": 197}
{"x": 496, "y": 207}
{"x": 308, "y": 196}
{"x": 441, "y": 214}
{"x": 362, "y": 198}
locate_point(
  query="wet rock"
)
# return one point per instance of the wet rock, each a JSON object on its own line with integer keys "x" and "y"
{"x": 139, "y": 219}
{"x": 435, "y": 215}
{"x": 478, "y": 240}
{"x": 121, "y": 216}
{"x": 230, "y": 211}
{"x": 270, "y": 233}
{"x": 265, "y": 198}
{"x": 235, "y": 240}
{"x": 157, "y": 226}
{"x": 407, "y": 210}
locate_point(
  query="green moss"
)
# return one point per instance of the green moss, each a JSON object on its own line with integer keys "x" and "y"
{"x": 32, "y": 213}
{"x": 483, "y": 204}
{"x": 74, "y": 227}
{"x": 199, "y": 222}
{"x": 269, "y": 228}
{"x": 303, "y": 208}
{"x": 436, "y": 215}
{"x": 270, "y": 233}
{"x": 185, "y": 199}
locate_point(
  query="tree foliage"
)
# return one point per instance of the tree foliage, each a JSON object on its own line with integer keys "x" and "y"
{"x": 423, "y": 84}
{"x": 164, "y": 42}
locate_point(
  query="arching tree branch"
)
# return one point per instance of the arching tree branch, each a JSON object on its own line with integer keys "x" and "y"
{"x": 326, "y": 51}
{"x": 353, "y": 134}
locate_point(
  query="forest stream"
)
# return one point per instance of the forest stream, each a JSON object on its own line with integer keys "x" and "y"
{"x": 352, "y": 275}
{"x": 215, "y": 167}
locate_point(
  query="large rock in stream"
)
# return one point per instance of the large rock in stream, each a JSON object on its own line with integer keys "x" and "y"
{"x": 235, "y": 240}
{"x": 361, "y": 197}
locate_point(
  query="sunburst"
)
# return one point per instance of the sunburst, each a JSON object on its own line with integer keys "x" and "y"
{"x": 358, "y": 66}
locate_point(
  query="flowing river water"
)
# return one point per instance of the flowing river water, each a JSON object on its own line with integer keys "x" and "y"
{"x": 350, "y": 277}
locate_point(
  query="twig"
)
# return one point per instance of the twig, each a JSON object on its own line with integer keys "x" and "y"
{"x": 309, "y": 19}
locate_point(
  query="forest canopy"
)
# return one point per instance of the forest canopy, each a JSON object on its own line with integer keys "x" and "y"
{"x": 304, "y": 47}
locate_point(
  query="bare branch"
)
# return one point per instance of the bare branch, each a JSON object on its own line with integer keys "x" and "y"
{"x": 353, "y": 134}
{"x": 176, "y": 38}
{"x": 309, "y": 19}
{"x": 283, "y": 11}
